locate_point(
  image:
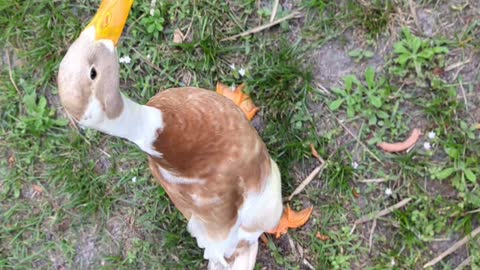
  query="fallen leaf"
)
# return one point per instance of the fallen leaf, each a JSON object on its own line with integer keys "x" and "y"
{"x": 322, "y": 237}
{"x": 38, "y": 189}
{"x": 315, "y": 153}
{"x": 355, "y": 193}
{"x": 178, "y": 36}
{"x": 64, "y": 226}
{"x": 438, "y": 71}
{"x": 11, "y": 161}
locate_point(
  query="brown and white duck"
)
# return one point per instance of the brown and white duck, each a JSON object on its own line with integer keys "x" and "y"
{"x": 201, "y": 147}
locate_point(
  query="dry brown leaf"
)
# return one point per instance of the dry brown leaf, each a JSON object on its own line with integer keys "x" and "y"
{"x": 314, "y": 152}
{"x": 322, "y": 237}
{"x": 38, "y": 189}
{"x": 178, "y": 36}
{"x": 439, "y": 71}
{"x": 355, "y": 193}
{"x": 11, "y": 161}
{"x": 64, "y": 226}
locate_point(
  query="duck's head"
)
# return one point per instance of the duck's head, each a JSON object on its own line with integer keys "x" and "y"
{"x": 89, "y": 73}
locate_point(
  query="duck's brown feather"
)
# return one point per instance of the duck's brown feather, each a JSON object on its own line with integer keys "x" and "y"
{"x": 208, "y": 138}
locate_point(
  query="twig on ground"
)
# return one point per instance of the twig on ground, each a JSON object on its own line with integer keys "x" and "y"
{"x": 464, "y": 263}
{"x": 317, "y": 171}
{"x": 10, "y": 74}
{"x": 471, "y": 212}
{"x": 113, "y": 238}
{"x": 414, "y": 14}
{"x": 373, "y": 180}
{"x": 105, "y": 153}
{"x": 455, "y": 76}
{"x": 355, "y": 137}
{"x": 300, "y": 250}
{"x": 292, "y": 245}
{"x": 294, "y": 14}
{"x": 370, "y": 239}
{"x": 464, "y": 96}
{"x": 274, "y": 10}
{"x": 307, "y": 180}
{"x": 306, "y": 263}
{"x": 453, "y": 248}
{"x": 458, "y": 64}
{"x": 189, "y": 28}
{"x": 384, "y": 212}
{"x": 322, "y": 89}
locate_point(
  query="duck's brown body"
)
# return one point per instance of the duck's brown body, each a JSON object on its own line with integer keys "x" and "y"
{"x": 213, "y": 164}
{"x": 200, "y": 145}
{"x": 208, "y": 139}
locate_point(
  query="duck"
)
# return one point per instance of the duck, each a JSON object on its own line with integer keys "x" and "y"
{"x": 200, "y": 145}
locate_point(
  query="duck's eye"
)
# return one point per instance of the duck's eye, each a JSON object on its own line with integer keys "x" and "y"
{"x": 93, "y": 73}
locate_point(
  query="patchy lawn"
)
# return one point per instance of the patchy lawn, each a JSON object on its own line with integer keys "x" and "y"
{"x": 342, "y": 77}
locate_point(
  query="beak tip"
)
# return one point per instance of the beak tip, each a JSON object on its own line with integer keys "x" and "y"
{"x": 110, "y": 19}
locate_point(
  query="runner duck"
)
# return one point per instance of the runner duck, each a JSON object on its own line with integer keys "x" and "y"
{"x": 201, "y": 147}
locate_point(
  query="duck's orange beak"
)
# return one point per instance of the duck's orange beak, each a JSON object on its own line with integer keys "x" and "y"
{"x": 110, "y": 19}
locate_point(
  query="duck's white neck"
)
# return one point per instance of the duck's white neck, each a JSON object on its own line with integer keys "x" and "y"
{"x": 137, "y": 123}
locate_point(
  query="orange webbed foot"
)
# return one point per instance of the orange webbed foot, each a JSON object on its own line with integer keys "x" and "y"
{"x": 291, "y": 219}
{"x": 241, "y": 99}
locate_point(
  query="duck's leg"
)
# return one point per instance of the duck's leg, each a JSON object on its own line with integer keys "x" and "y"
{"x": 243, "y": 259}
{"x": 241, "y": 99}
{"x": 246, "y": 257}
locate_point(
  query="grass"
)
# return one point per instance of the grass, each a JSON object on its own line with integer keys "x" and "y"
{"x": 83, "y": 200}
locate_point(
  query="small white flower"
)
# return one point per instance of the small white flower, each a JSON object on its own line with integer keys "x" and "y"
{"x": 148, "y": 56}
{"x": 134, "y": 179}
{"x": 354, "y": 165}
{"x": 388, "y": 191}
{"x": 241, "y": 72}
{"x": 432, "y": 135}
{"x": 232, "y": 66}
{"x": 125, "y": 59}
{"x": 392, "y": 262}
{"x": 427, "y": 146}
{"x": 152, "y": 7}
